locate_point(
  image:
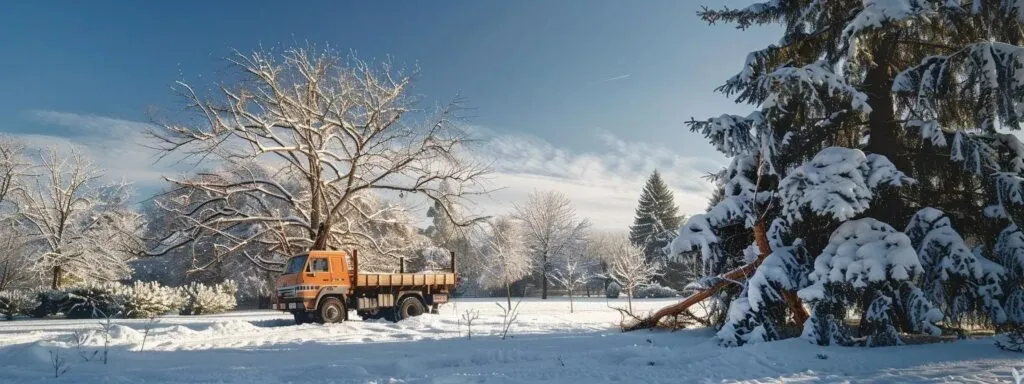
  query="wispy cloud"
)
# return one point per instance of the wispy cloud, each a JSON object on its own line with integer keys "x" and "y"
{"x": 115, "y": 144}
{"x": 620, "y": 77}
{"x": 603, "y": 182}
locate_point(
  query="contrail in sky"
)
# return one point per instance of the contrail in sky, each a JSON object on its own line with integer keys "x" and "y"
{"x": 626, "y": 76}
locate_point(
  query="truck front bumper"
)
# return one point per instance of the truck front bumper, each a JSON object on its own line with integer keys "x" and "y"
{"x": 294, "y": 305}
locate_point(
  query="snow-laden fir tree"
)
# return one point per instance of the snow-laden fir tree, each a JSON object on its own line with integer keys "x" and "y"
{"x": 657, "y": 218}
{"x": 869, "y": 75}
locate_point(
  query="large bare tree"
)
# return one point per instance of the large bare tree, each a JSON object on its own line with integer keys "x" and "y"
{"x": 551, "y": 228}
{"x": 334, "y": 130}
{"x": 84, "y": 226}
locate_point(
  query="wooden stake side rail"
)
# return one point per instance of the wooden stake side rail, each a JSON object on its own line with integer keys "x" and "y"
{"x": 404, "y": 279}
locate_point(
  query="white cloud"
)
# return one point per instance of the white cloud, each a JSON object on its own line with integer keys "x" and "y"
{"x": 116, "y": 145}
{"x": 604, "y": 183}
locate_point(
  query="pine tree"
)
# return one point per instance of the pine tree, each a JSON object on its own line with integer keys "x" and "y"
{"x": 657, "y": 218}
{"x": 856, "y": 97}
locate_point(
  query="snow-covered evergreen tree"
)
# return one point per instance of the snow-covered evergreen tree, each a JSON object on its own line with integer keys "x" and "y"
{"x": 657, "y": 218}
{"x": 830, "y": 82}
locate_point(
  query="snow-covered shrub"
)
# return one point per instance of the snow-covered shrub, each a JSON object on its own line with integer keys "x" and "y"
{"x": 14, "y": 303}
{"x": 825, "y": 326}
{"x": 878, "y": 323}
{"x": 960, "y": 281}
{"x": 96, "y": 300}
{"x": 208, "y": 299}
{"x": 48, "y": 303}
{"x": 866, "y": 258}
{"x": 655, "y": 291}
{"x": 744, "y": 325}
{"x": 150, "y": 299}
{"x": 613, "y": 291}
{"x": 1011, "y": 340}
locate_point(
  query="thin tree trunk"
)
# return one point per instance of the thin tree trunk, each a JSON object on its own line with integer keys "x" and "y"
{"x": 570, "y": 301}
{"x": 629, "y": 300}
{"x": 544, "y": 278}
{"x": 508, "y": 295}
{"x": 57, "y": 275}
{"x": 796, "y": 307}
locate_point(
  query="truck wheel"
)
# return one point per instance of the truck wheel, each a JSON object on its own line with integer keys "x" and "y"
{"x": 410, "y": 306}
{"x": 332, "y": 310}
{"x": 301, "y": 317}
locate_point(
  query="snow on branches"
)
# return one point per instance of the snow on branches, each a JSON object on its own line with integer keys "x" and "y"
{"x": 992, "y": 71}
{"x": 956, "y": 278}
{"x": 861, "y": 252}
{"x": 866, "y": 258}
{"x": 86, "y": 228}
{"x": 757, "y": 314}
{"x": 328, "y": 132}
{"x": 837, "y": 182}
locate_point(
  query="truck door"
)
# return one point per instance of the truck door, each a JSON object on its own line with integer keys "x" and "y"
{"x": 319, "y": 270}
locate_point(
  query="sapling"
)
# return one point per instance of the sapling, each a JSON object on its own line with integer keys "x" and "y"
{"x": 59, "y": 364}
{"x": 469, "y": 317}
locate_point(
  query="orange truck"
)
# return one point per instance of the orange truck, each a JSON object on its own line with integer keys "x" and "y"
{"x": 320, "y": 287}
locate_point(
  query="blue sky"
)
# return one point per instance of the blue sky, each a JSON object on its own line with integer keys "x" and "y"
{"x": 583, "y": 96}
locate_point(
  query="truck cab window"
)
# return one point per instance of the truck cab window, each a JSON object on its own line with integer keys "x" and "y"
{"x": 319, "y": 265}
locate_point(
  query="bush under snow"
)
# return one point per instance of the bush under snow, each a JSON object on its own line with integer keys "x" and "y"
{"x": 14, "y": 303}
{"x": 866, "y": 257}
{"x": 146, "y": 300}
{"x": 655, "y": 291}
{"x": 613, "y": 291}
{"x": 206, "y": 299}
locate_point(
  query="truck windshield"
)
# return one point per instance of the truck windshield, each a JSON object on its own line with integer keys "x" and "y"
{"x": 295, "y": 264}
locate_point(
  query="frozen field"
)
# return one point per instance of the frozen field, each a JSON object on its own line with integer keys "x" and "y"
{"x": 549, "y": 345}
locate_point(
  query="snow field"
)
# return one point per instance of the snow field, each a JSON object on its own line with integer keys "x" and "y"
{"x": 549, "y": 345}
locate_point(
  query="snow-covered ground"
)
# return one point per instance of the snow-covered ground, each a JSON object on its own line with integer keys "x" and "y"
{"x": 549, "y": 345}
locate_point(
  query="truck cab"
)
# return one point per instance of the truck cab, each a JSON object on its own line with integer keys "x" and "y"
{"x": 319, "y": 286}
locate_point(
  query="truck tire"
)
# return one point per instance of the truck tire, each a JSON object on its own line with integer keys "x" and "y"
{"x": 410, "y": 306}
{"x": 301, "y": 317}
{"x": 332, "y": 310}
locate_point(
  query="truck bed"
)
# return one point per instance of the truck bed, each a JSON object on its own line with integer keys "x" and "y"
{"x": 404, "y": 279}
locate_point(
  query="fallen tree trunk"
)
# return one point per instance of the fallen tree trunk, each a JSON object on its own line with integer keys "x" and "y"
{"x": 738, "y": 273}
{"x": 761, "y": 239}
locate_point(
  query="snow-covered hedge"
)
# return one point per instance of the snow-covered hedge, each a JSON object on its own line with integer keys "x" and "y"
{"x": 93, "y": 301}
{"x": 655, "y": 291}
{"x": 204, "y": 300}
{"x": 138, "y": 301}
{"x": 145, "y": 300}
{"x": 613, "y": 291}
{"x": 14, "y": 303}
